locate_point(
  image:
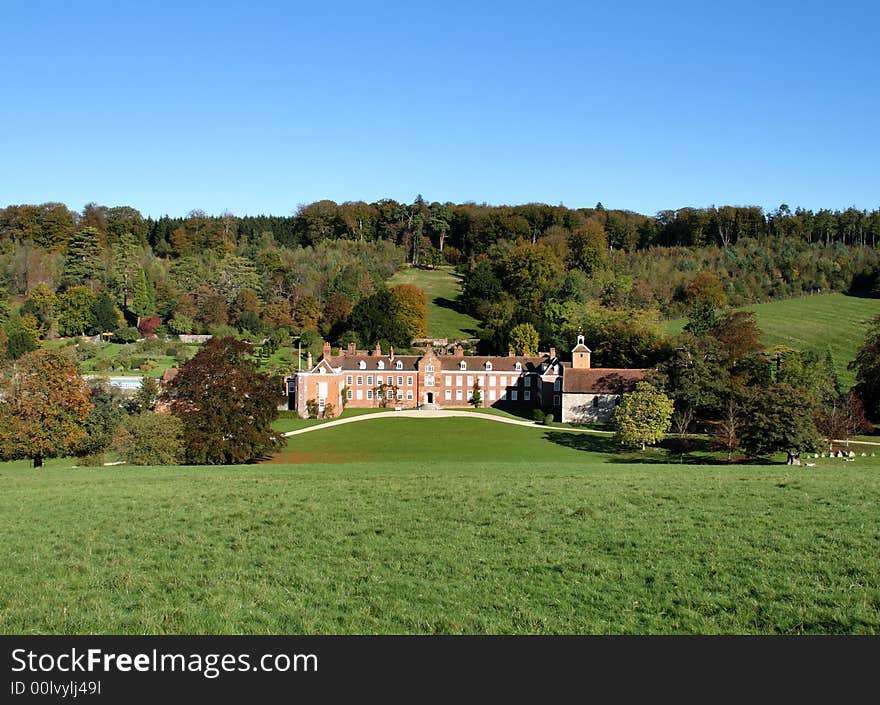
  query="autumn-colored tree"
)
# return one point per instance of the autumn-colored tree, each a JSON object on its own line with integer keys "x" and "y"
{"x": 706, "y": 287}
{"x": 226, "y": 405}
{"x": 336, "y": 311}
{"x": 413, "y": 308}
{"x": 147, "y": 326}
{"x": 738, "y": 333}
{"x": 44, "y": 408}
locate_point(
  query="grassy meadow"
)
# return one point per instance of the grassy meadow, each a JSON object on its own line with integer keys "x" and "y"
{"x": 442, "y": 526}
{"x": 814, "y": 322}
{"x": 442, "y": 287}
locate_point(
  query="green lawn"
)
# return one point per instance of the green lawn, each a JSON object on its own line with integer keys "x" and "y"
{"x": 442, "y": 287}
{"x": 442, "y": 526}
{"x": 814, "y": 322}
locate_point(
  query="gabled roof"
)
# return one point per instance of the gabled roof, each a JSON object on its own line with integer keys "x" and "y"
{"x": 447, "y": 363}
{"x": 599, "y": 380}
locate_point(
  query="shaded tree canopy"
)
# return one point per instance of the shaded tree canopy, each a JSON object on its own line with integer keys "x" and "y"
{"x": 226, "y": 405}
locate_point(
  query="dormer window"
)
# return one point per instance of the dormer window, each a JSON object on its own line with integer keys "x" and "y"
{"x": 518, "y": 366}
{"x": 488, "y": 366}
{"x": 398, "y": 365}
{"x": 462, "y": 365}
{"x": 381, "y": 364}
{"x": 362, "y": 365}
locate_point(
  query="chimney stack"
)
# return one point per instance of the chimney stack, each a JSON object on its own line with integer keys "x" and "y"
{"x": 326, "y": 350}
{"x": 309, "y": 364}
{"x": 352, "y": 350}
{"x": 391, "y": 354}
{"x": 378, "y": 351}
{"x": 459, "y": 351}
{"x": 552, "y": 353}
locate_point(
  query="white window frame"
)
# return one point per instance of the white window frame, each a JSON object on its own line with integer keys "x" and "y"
{"x": 398, "y": 365}
{"x": 409, "y": 380}
{"x": 513, "y": 395}
{"x": 448, "y": 395}
{"x": 448, "y": 381}
{"x": 488, "y": 366}
{"x": 470, "y": 382}
{"x": 458, "y": 395}
{"x": 370, "y": 380}
{"x": 381, "y": 364}
{"x": 348, "y": 394}
{"x": 399, "y": 380}
{"x": 348, "y": 380}
{"x": 360, "y": 379}
{"x": 459, "y": 380}
{"x": 462, "y": 365}
{"x": 369, "y": 394}
{"x": 409, "y": 395}
{"x": 527, "y": 381}
{"x": 359, "y": 395}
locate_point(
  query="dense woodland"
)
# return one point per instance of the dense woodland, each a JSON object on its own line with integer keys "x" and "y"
{"x": 534, "y": 275}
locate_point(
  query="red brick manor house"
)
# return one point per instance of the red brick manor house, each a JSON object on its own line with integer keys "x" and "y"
{"x": 573, "y": 391}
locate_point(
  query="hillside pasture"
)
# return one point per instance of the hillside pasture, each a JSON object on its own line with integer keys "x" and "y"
{"x": 442, "y": 287}
{"x": 814, "y": 323}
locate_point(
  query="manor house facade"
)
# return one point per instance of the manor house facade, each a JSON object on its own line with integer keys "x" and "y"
{"x": 573, "y": 391}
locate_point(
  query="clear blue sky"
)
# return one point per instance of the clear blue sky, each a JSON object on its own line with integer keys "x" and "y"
{"x": 256, "y": 107}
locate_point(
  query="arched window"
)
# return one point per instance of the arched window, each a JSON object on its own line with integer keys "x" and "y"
{"x": 381, "y": 364}
{"x": 518, "y": 366}
{"x": 398, "y": 365}
{"x": 362, "y": 365}
{"x": 462, "y": 365}
{"x": 488, "y": 365}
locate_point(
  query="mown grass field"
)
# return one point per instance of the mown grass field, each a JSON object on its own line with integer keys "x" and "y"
{"x": 814, "y": 322}
{"x": 442, "y": 526}
{"x": 442, "y": 287}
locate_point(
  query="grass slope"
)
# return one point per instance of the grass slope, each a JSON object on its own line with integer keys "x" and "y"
{"x": 441, "y": 526}
{"x": 814, "y": 322}
{"x": 442, "y": 287}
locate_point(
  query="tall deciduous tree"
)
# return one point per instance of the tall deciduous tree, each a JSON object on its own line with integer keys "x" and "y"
{"x": 524, "y": 339}
{"x": 779, "y": 417}
{"x": 226, "y": 405}
{"x": 642, "y": 417}
{"x": 45, "y": 408}
{"x": 867, "y": 367}
{"x": 413, "y": 306}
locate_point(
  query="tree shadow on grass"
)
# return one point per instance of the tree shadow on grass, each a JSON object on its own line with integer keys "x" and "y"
{"x": 655, "y": 455}
{"x": 582, "y": 441}
{"x": 456, "y": 306}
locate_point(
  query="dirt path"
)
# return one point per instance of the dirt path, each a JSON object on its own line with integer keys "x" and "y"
{"x": 441, "y": 414}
